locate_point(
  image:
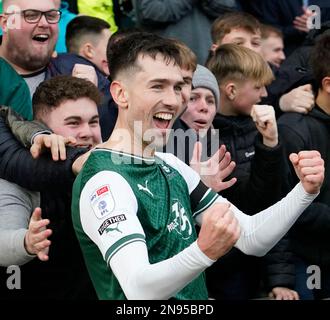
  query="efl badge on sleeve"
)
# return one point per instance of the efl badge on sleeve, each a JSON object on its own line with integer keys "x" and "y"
{"x": 102, "y": 202}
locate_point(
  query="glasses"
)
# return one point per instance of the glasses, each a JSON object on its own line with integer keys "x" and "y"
{"x": 34, "y": 16}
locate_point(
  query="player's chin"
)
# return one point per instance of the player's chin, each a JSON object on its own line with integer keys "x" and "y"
{"x": 156, "y": 137}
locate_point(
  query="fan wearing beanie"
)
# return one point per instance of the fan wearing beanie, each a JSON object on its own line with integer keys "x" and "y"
{"x": 204, "y": 101}
{"x": 195, "y": 124}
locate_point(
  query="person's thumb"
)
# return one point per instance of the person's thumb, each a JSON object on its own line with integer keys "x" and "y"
{"x": 295, "y": 160}
{"x": 307, "y": 87}
{"x": 36, "y": 215}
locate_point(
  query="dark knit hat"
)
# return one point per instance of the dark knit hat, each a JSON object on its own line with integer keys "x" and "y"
{"x": 204, "y": 78}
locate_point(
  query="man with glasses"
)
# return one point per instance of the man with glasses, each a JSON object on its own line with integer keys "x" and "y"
{"x": 34, "y": 16}
{"x": 30, "y": 31}
{"x": 30, "y": 34}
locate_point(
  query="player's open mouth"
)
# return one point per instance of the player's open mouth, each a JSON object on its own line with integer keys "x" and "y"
{"x": 162, "y": 120}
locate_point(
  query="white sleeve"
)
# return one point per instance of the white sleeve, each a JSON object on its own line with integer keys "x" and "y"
{"x": 141, "y": 280}
{"x": 108, "y": 209}
{"x": 124, "y": 247}
{"x": 260, "y": 232}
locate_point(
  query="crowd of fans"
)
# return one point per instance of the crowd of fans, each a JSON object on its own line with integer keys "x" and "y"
{"x": 256, "y": 88}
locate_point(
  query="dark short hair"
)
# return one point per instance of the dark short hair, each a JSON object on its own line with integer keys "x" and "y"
{"x": 51, "y": 93}
{"x": 122, "y": 55}
{"x": 320, "y": 59}
{"x": 81, "y": 27}
{"x": 121, "y": 34}
{"x": 188, "y": 57}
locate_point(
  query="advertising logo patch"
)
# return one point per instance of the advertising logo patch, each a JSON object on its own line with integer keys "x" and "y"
{"x": 102, "y": 202}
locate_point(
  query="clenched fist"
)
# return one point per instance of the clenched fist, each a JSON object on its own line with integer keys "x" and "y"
{"x": 219, "y": 232}
{"x": 309, "y": 167}
{"x": 265, "y": 120}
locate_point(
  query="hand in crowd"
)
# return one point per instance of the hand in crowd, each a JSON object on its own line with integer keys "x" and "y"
{"x": 281, "y": 293}
{"x": 219, "y": 231}
{"x": 299, "y": 100}
{"x": 309, "y": 167}
{"x": 265, "y": 120}
{"x": 214, "y": 171}
{"x": 85, "y": 71}
{"x": 54, "y": 142}
{"x": 301, "y": 22}
{"x": 36, "y": 241}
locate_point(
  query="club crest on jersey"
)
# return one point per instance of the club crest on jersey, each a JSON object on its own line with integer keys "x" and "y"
{"x": 180, "y": 221}
{"x": 102, "y": 202}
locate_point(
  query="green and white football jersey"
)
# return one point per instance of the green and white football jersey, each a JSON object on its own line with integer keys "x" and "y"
{"x": 120, "y": 198}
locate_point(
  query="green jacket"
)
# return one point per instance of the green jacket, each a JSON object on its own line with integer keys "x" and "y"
{"x": 14, "y": 91}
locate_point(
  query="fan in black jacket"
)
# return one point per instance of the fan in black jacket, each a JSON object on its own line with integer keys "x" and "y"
{"x": 311, "y": 233}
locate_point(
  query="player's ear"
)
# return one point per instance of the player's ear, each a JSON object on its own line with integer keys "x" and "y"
{"x": 119, "y": 93}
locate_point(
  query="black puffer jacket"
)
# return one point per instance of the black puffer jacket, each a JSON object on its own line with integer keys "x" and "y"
{"x": 258, "y": 167}
{"x": 311, "y": 233}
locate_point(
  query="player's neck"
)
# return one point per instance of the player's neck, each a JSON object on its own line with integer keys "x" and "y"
{"x": 123, "y": 140}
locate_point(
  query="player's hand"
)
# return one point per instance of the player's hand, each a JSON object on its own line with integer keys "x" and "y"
{"x": 79, "y": 163}
{"x": 219, "y": 231}
{"x": 265, "y": 120}
{"x": 36, "y": 241}
{"x": 281, "y": 293}
{"x": 54, "y": 142}
{"x": 309, "y": 167}
{"x": 214, "y": 171}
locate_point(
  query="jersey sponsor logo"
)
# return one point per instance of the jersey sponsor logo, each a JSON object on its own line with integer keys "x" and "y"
{"x": 102, "y": 202}
{"x": 181, "y": 223}
{"x": 105, "y": 226}
{"x": 145, "y": 188}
